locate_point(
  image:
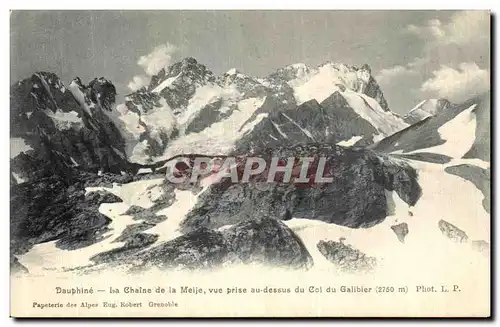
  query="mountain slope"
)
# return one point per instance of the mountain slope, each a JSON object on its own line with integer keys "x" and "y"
{"x": 61, "y": 127}
{"x": 234, "y": 108}
{"x": 456, "y": 132}
{"x": 426, "y": 109}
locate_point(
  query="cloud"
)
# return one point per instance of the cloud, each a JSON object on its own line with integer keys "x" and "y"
{"x": 137, "y": 82}
{"x": 464, "y": 28}
{"x": 387, "y": 75}
{"x": 458, "y": 85}
{"x": 432, "y": 29}
{"x": 159, "y": 58}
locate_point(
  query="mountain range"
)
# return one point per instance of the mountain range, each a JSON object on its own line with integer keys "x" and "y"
{"x": 88, "y": 184}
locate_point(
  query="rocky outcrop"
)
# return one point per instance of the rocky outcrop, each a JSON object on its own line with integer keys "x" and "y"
{"x": 453, "y": 232}
{"x": 263, "y": 242}
{"x": 16, "y": 267}
{"x": 478, "y": 176}
{"x": 65, "y": 127}
{"x": 209, "y": 114}
{"x": 202, "y": 248}
{"x": 356, "y": 198}
{"x": 330, "y": 121}
{"x": 346, "y": 258}
{"x": 481, "y": 246}
{"x": 96, "y": 198}
{"x": 134, "y": 244}
{"x": 57, "y": 208}
{"x": 267, "y": 241}
{"x": 373, "y": 90}
{"x": 401, "y": 230}
{"x": 425, "y": 133}
{"x": 481, "y": 148}
{"x": 426, "y": 109}
{"x": 149, "y": 216}
{"x": 185, "y": 75}
{"x": 132, "y": 230}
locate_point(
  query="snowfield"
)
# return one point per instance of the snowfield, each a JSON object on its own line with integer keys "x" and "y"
{"x": 445, "y": 196}
{"x": 459, "y": 135}
{"x": 18, "y": 145}
{"x": 220, "y": 137}
{"x": 64, "y": 120}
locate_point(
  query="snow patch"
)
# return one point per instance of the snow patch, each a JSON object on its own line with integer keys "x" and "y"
{"x": 18, "y": 178}
{"x": 18, "y": 145}
{"x": 204, "y": 95}
{"x": 305, "y": 131}
{"x": 350, "y": 142}
{"x": 74, "y": 88}
{"x": 278, "y": 129}
{"x": 459, "y": 135}
{"x": 166, "y": 83}
{"x": 369, "y": 109}
{"x": 144, "y": 171}
{"x": 64, "y": 120}
{"x": 218, "y": 138}
{"x": 232, "y": 71}
{"x": 170, "y": 228}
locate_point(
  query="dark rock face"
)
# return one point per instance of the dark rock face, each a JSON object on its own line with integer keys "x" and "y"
{"x": 356, "y": 197}
{"x": 373, "y": 90}
{"x": 208, "y": 115}
{"x": 401, "y": 230}
{"x": 346, "y": 258}
{"x": 267, "y": 241}
{"x": 56, "y": 208}
{"x": 478, "y": 176}
{"x": 99, "y": 197}
{"x": 142, "y": 102}
{"x": 398, "y": 176}
{"x": 16, "y": 266}
{"x": 133, "y": 209}
{"x": 418, "y": 114}
{"x": 425, "y": 156}
{"x": 64, "y": 129}
{"x": 424, "y": 134}
{"x": 133, "y": 244}
{"x": 264, "y": 241}
{"x": 452, "y": 232}
{"x": 199, "y": 249}
{"x": 481, "y": 148}
{"x": 132, "y": 230}
{"x": 189, "y": 74}
{"x": 311, "y": 122}
{"x": 149, "y": 216}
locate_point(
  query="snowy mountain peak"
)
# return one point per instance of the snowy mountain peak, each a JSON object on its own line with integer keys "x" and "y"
{"x": 426, "y": 108}
{"x": 232, "y": 71}
{"x": 291, "y": 72}
{"x": 188, "y": 70}
{"x": 320, "y": 82}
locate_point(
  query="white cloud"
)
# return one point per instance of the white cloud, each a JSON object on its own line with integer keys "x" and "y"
{"x": 433, "y": 29}
{"x": 386, "y": 75}
{"x": 458, "y": 84}
{"x": 137, "y": 82}
{"x": 452, "y": 53}
{"x": 159, "y": 58}
{"x": 464, "y": 28}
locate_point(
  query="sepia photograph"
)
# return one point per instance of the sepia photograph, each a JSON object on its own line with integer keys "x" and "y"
{"x": 250, "y": 163}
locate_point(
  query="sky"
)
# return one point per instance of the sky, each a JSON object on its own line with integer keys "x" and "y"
{"x": 414, "y": 55}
